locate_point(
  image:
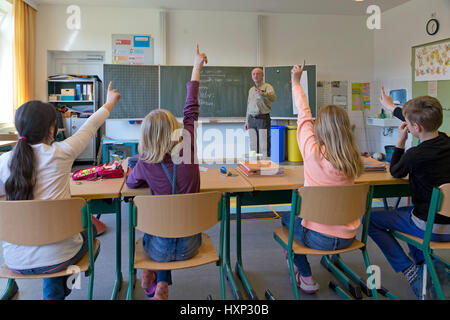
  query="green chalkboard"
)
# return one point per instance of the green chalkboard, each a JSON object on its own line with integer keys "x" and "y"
{"x": 223, "y": 91}
{"x": 420, "y": 88}
{"x": 280, "y": 79}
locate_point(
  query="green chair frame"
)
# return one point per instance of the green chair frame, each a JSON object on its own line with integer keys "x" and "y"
{"x": 330, "y": 261}
{"x": 428, "y": 253}
{"x": 132, "y": 246}
{"x": 11, "y": 287}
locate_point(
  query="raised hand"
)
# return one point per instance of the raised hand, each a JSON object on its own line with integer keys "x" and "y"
{"x": 113, "y": 95}
{"x": 200, "y": 59}
{"x": 296, "y": 73}
{"x": 386, "y": 100}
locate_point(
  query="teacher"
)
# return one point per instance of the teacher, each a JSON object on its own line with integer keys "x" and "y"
{"x": 260, "y": 98}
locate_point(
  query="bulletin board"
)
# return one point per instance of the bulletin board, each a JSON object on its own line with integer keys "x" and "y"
{"x": 132, "y": 49}
{"x": 433, "y": 84}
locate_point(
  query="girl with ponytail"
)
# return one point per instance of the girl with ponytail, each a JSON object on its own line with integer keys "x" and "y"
{"x": 38, "y": 168}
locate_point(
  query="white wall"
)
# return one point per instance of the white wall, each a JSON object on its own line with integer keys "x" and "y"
{"x": 402, "y": 28}
{"x": 340, "y": 46}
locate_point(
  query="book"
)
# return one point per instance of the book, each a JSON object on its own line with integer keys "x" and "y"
{"x": 370, "y": 164}
{"x": 260, "y": 167}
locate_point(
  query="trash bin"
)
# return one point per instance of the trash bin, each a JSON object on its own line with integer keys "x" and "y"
{"x": 389, "y": 152}
{"x": 277, "y": 143}
{"x": 294, "y": 154}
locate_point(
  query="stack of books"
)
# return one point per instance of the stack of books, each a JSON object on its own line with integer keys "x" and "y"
{"x": 370, "y": 164}
{"x": 260, "y": 168}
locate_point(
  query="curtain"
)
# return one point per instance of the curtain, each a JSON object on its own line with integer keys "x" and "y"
{"x": 24, "y": 53}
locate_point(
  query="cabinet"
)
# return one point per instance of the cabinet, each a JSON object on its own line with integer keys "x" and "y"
{"x": 80, "y": 98}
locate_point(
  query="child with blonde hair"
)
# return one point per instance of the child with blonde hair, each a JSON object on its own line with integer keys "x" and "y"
{"x": 330, "y": 158}
{"x": 166, "y": 169}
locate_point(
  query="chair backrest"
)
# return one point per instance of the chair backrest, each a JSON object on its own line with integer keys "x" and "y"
{"x": 445, "y": 203}
{"x": 178, "y": 215}
{"x": 40, "y": 222}
{"x": 333, "y": 205}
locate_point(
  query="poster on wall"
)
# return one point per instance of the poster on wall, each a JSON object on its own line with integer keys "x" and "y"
{"x": 332, "y": 92}
{"x": 360, "y": 96}
{"x": 132, "y": 49}
{"x": 433, "y": 62}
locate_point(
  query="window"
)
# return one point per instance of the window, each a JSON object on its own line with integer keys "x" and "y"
{"x": 6, "y": 62}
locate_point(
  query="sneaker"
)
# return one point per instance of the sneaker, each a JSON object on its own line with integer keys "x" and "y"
{"x": 417, "y": 284}
{"x": 99, "y": 226}
{"x": 306, "y": 288}
{"x": 162, "y": 291}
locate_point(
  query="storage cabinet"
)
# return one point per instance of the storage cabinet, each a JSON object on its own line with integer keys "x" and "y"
{"x": 81, "y": 98}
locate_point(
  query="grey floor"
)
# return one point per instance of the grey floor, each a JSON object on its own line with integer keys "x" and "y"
{"x": 263, "y": 261}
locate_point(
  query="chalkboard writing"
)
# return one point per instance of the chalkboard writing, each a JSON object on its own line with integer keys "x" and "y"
{"x": 223, "y": 91}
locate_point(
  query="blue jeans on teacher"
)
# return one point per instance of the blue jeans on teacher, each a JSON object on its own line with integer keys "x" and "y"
{"x": 313, "y": 240}
{"x": 163, "y": 249}
{"x": 56, "y": 288}
{"x": 399, "y": 219}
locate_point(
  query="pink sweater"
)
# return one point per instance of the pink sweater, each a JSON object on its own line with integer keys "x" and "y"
{"x": 318, "y": 170}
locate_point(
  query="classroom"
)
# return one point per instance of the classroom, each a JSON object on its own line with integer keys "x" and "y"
{"x": 268, "y": 103}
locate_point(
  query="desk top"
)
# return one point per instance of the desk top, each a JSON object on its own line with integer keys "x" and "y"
{"x": 294, "y": 178}
{"x": 211, "y": 180}
{"x": 8, "y": 143}
{"x": 99, "y": 189}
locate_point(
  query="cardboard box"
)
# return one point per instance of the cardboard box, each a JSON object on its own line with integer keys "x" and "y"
{"x": 68, "y": 92}
{"x": 67, "y": 98}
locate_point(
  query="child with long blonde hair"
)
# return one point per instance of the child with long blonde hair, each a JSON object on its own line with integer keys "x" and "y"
{"x": 330, "y": 157}
{"x": 167, "y": 169}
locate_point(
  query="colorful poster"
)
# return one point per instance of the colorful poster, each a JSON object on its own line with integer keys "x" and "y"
{"x": 360, "y": 96}
{"x": 433, "y": 62}
{"x": 132, "y": 49}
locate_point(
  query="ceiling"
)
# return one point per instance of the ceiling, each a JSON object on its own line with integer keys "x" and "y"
{"x": 338, "y": 7}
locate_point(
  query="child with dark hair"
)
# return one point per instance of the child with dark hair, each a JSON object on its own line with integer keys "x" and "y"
{"x": 38, "y": 168}
{"x": 428, "y": 166}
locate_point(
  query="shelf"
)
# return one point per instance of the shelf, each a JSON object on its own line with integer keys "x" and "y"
{"x": 88, "y": 101}
{"x": 71, "y": 80}
{"x": 387, "y": 122}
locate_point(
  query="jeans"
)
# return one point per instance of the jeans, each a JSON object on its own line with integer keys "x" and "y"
{"x": 170, "y": 249}
{"x": 399, "y": 219}
{"x": 56, "y": 288}
{"x": 313, "y": 240}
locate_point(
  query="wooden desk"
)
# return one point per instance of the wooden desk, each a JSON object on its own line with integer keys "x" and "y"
{"x": 211, "y": 180}
{"x": 8, "y": 143}
{"x": 99, "y": 189}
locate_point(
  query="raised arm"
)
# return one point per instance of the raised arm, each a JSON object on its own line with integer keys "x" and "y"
{"x": 78, "y": 142}
{"x": 305, "y": 124}
{"x": 191, "y": 109}
{"x": 387, "y": 102}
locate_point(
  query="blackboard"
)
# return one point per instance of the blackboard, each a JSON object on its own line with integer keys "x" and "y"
{"x": 223, "y": 91}
{"x": 280, "y": 79}
{"x": 138, "y": 86}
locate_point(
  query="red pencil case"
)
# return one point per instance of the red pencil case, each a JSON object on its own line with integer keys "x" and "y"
{"x": 106, "y": 171}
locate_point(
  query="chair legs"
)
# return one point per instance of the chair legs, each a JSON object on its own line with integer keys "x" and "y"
{"x": 292, "y": 273}
{"x": 10, "y": 290}
{"x": 434, "y": 277}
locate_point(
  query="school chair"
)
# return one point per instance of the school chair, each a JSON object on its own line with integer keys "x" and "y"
{"x": 42, "y": 222}
{"x": 176, "y": 216}
{"x": 440, "y": 203}
{"x": 331, "y": 205}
